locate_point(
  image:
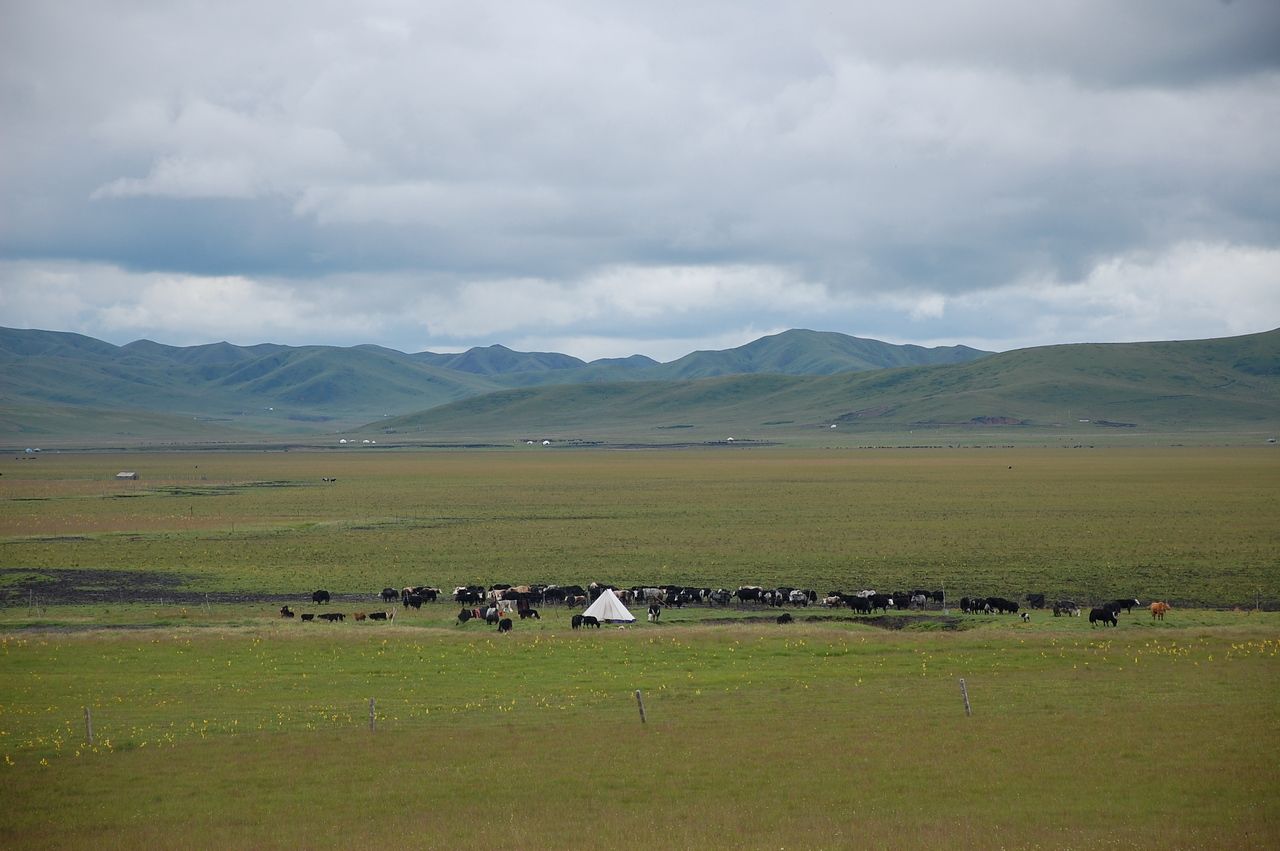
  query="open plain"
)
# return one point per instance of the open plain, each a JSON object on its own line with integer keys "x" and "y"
{"x": 154, "y": 603}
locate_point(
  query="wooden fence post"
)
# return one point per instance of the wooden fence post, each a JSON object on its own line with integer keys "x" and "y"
{"x": 88, "y": 725}
{"x": 640, "y": 703}
{"x": 964, "y": 692}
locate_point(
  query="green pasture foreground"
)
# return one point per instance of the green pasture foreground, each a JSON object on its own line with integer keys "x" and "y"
{"x": 821, "y": 735}
{"x": 1193, "y": 526}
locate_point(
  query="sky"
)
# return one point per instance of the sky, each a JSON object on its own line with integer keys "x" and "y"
{"x": 604, "y": 178}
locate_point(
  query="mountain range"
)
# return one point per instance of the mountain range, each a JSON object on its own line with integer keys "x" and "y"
{"x": 63, "y": 384}
{"x": 53, "y": 375}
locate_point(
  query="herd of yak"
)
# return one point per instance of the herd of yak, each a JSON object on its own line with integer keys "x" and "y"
{"x": 495, "y": 603}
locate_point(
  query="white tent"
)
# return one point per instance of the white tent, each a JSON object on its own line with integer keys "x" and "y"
{"x": 608, "y": 607}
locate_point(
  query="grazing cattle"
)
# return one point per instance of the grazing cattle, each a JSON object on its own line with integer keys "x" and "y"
{"x": 286, "y": 612}
{"x": 389, "y": 594}
{"x": 719, "y": 597}
{"x": 1127, "y": 604}
{"x": 1104, "y": 615}
{"x": 918, "y": 600}
{"x": 320, "y": 596}
{"x": 359, "y": 616}
{"x": 1026, "y": 617}
{"x": 468, "y": 595}
{"x": 861, "y": 605}
{"x": 1070, "y": 608}
{"x": 748, "y": 593}
{"x": 655, "y": 612}
{"x": 525, "y": 614}
{"x": 1158, "y": 610}
{"x": 465, "y": 615}
{"x": 382, "y": 616}
{"x": 504, "y": 625}
{"x": 938, "y": 596}
{"x": 576, "y": 622}
{"x": 414, "y": 600}
{"x": 307, "y": 616}
{"x": 589, "y": 620}
{"x": 1035, "y": 601}
{"x": 492, "y": 615}
{"x": 332, "y": 616}
{"x": 1001, "y": 605}
{"x": 798, "y": 597}
{"x": 785, "y": 618}
{"x": 880, "y": 601}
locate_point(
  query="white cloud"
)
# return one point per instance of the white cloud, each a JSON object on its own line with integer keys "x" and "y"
{"x": 205, "y": 150}
{"x": 1002, "y": 172}
{"x": 1191, "y": 291}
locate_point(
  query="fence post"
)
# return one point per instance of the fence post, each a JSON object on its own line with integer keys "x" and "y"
{"x": 964, "y": 692}
{"x": 640, "y": 703}
{"x": 373, "y": 715}
{"x": 88, "y": 725}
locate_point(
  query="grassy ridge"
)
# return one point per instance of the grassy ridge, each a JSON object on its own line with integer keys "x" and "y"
{"x": 259, "y": 738}
{"x": 1188, "y": 525}
{"x": 1228, "y": 384}
{"x": 57, "y": 381}
{"x": 787, "y": 387}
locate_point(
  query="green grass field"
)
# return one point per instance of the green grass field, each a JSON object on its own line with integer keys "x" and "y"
{"x": 824, "y": 735}
{"x": 1193, "y": 526}
{"x": 222, "y": 725}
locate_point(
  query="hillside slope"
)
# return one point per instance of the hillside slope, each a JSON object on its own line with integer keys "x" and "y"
{"x": 1226, "y": 383}
{"x": 266, "y": 387}
{"x": 277, "y": 388}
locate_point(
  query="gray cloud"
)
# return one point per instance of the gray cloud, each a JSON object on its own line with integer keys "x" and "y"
{"x": 581, "y": 171}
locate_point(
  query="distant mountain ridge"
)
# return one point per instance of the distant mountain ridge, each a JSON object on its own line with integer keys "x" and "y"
{"x": 278, "y": 387}
{"x": 802, "y": 352}
{"x": 1226, "y": 383}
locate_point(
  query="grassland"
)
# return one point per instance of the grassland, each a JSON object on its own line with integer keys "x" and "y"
{"x": 217, "y": 724}
{"x": 817, "y": 736}
{"x": 1194, "y": 526}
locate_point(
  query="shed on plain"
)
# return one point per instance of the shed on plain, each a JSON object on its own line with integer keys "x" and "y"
{"x": 127, "y": 474}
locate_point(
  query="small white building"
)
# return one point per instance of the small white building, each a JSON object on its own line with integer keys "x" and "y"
{"x": 127, "y": 475}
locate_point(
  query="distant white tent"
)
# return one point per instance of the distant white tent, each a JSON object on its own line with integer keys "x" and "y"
{"x": 608, "y": 607}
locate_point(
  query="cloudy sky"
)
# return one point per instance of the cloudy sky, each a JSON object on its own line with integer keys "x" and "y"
{"x": 607, "y": 178}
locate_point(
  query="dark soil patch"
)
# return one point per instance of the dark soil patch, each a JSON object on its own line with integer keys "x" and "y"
{"x": 21, "y": 586}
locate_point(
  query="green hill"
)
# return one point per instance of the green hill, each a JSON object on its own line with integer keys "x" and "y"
{"x": 784, "y": 386}
{"x": 499, "y": 360}
{"x": 1227, "y": 384}
{"x": 285, "y": 389}
{"x": 801, "y": 352}
{"x": 795, "y": 352}
{"x": 269, "y": 388}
